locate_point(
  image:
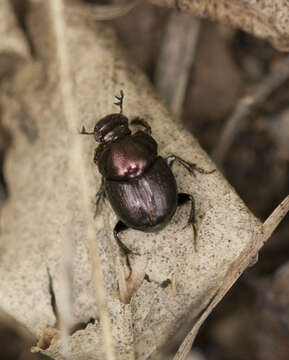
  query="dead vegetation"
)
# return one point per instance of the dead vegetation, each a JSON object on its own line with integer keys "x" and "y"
{"x": 59, "y": 267}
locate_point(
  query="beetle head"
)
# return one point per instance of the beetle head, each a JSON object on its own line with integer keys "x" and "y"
{"x": 111, "y": 128}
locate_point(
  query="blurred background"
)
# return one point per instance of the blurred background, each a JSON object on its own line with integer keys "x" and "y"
{"x": 202, "y": 70}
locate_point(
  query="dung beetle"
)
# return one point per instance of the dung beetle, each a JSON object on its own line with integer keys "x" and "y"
{"x": 138, "y": 183}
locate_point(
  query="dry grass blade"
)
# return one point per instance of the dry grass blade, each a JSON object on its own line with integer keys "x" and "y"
{"x": 71, "y": 116}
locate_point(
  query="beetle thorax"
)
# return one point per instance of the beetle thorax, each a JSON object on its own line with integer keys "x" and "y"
{"x": 126, "y": 158}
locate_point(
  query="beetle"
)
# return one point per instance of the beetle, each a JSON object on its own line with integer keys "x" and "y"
{"x": 138, "y": 183}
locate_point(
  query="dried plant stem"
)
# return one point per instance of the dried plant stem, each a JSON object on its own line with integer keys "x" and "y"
{"x": 175, "y": 59}
{"x": 244, "y": 260}
{"x": 245, "y": 106}
{"x": 71, "y": 116}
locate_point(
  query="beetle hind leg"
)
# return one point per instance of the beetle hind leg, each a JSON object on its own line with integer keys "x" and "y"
{"x": 120, "y": 226}
{"x": 182, "y": 199}
{"x": 191, "y": 167}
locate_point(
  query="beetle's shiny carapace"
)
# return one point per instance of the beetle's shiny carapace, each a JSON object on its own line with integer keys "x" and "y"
{"x": 138, "y": 183}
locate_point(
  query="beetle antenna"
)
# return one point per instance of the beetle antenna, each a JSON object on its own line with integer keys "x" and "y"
{"x": 120, "y": 100}
{"x": 84, "y": 132}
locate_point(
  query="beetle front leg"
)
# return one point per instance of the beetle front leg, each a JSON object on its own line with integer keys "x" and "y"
{"x": 99, "y": 195}
{"x": 191, "y": 167}
{"x": 97, "y": 153}
{"x": 142, "y": 122}
{"x": 182, "y": 199}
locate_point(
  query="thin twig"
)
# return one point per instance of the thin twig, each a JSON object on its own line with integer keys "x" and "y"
{"x": 175, "y": 59}
{"x": 241, "y": 264}
{"x": 245, "y": 106}
{"x": 75, "y": 165}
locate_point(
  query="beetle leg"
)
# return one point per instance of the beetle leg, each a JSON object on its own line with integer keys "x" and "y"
{"x": 182, "y": 199}
{"x": 120, "y": 226}
{"x": 99, "y": 195}
{"x": 142, "y": 122}
{"x": 97, "y": 153}
{"x": 189, "y": 166}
